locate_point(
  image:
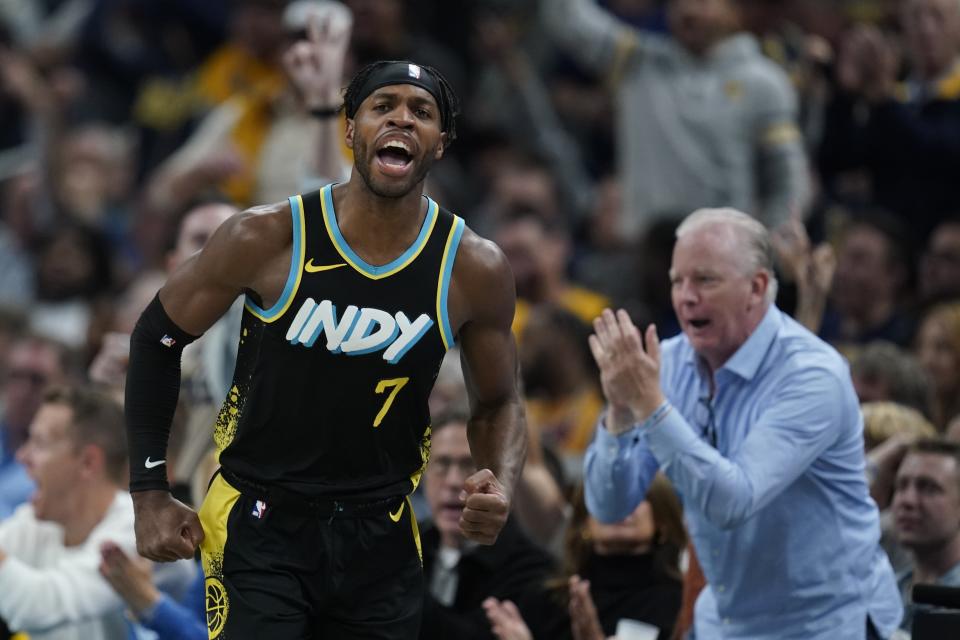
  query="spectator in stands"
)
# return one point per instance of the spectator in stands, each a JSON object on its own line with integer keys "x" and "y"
{"x": 74, "y": 277}
{"x": 882, "y": 371}
{"x": 460, "y": 575}
{"x": 811, "y": 268}
{"x": 50, "y": 548}
{"x": 872, "y": 271}
{"x": 938, "y": 349}
{"x": 561, "y": 384}
{"x": 33, "y": 364}
{"x": 926, "y": 508}
{"x": 886, "y": 421}
{"x": 605, "y": 260}
{"x": 385, "y": 30}
{"x": 940, "y": 264}
{"x": 130, "y": 577}
{"x": 629, "y": 569}
{"x": 906, "y": 137}
{"x": 704, "y": 119}
{"x": 756, "y": 423}
{"x": 538, "y": 249}
{"x": 889, "y": 430}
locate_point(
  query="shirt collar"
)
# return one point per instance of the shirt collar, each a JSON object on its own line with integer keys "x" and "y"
{"x": 746, "y": 361}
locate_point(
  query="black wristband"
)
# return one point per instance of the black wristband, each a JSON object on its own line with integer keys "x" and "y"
{"x": 323, "y": 113}
{"x": 153, "y": 385}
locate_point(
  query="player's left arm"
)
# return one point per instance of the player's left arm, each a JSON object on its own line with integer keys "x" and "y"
{"x": 483, "y": 295}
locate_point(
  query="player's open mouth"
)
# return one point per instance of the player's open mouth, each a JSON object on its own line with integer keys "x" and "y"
{"x": 395, "y": 158}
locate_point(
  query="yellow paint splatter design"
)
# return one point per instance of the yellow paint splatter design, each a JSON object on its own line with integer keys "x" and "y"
{"x": 226, "y": 425}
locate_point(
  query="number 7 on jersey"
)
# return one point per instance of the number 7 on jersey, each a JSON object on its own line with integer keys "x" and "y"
{"x": 383, "y": 385}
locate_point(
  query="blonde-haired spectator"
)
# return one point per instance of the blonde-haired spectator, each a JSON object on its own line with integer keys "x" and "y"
{"x": 883, "y": 420}
{"x": 889, "y": 430}
{"x": 938, "y": 349}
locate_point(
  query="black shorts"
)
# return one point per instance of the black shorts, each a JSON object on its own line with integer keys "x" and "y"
{"x": 331, "y": 570}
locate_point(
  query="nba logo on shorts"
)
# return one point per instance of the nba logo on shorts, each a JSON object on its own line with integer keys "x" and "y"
{"x": 414, "y": 71}
{"x": 259, "y": 509}
{"x": 167, "y": 341}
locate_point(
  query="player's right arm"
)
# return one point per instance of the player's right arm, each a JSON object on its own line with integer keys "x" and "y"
{"x": 249, "y": 252}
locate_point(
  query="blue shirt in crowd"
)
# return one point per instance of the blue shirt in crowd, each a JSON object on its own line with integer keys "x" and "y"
{"x": 778, "y": 506}
{"x": 16, "y": 487}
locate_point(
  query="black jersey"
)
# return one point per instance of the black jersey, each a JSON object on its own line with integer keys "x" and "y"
{"x": 329, "y": 397}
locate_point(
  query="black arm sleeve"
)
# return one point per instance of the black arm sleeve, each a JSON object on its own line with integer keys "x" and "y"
{"x": 153, "y": 384}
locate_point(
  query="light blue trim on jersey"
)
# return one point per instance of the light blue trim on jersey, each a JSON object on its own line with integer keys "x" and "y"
{"x": 296, "y": 266}
{"x": 450, "y": 255}
{"x": 356, "y": 261}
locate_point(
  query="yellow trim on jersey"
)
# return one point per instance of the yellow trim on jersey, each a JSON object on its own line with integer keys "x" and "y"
{"x": 299, "y": 251}
{"x": 415, "y": 528}
{"x": 352, "y": 258}
{"x": 443, "y": 281}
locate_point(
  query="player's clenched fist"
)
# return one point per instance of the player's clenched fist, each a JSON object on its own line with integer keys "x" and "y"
{"x": 166, "y": 529}
{"x": 485, "y": 509}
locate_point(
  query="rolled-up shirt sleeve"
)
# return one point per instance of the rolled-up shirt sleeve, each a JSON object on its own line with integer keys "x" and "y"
{"x": 798, "y": 425}
{"x": 617, "y": 472}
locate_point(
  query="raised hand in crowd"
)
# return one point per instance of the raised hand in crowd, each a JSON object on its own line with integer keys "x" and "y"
{"x": 584, "y": 621}
{"x": 812, "y": 268}
{"x": 506, "y": 622}
{"x": 315, "y": 65}
{"x": 130, "y": 577}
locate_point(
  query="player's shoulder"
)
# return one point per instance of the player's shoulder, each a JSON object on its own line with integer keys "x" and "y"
{"x": 480, "y": 257}
{"x": 259, "y": 227}
{"x": 483, "y": 280}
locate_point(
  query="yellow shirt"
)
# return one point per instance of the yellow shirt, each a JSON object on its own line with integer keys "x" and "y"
{"x": 566, "y": 425}
{"x": 232, "y": 72}
{"x": 581, "y": 302}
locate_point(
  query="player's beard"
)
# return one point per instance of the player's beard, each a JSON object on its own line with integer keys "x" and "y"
{"x": 385, "y": 188}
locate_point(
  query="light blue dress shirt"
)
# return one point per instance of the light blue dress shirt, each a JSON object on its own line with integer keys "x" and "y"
{"x": 779, "y": 512}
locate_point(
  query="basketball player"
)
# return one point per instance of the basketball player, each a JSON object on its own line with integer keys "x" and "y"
{"x": 353, "y": 294}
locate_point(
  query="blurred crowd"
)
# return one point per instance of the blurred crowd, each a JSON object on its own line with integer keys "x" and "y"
{"x": 590, "y": 128}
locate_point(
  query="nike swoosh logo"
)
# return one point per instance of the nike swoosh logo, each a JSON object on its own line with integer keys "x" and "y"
{"x": 311, "y": 268}
{"x": 395, "y": 516}
{"x": 154, "y": 463}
